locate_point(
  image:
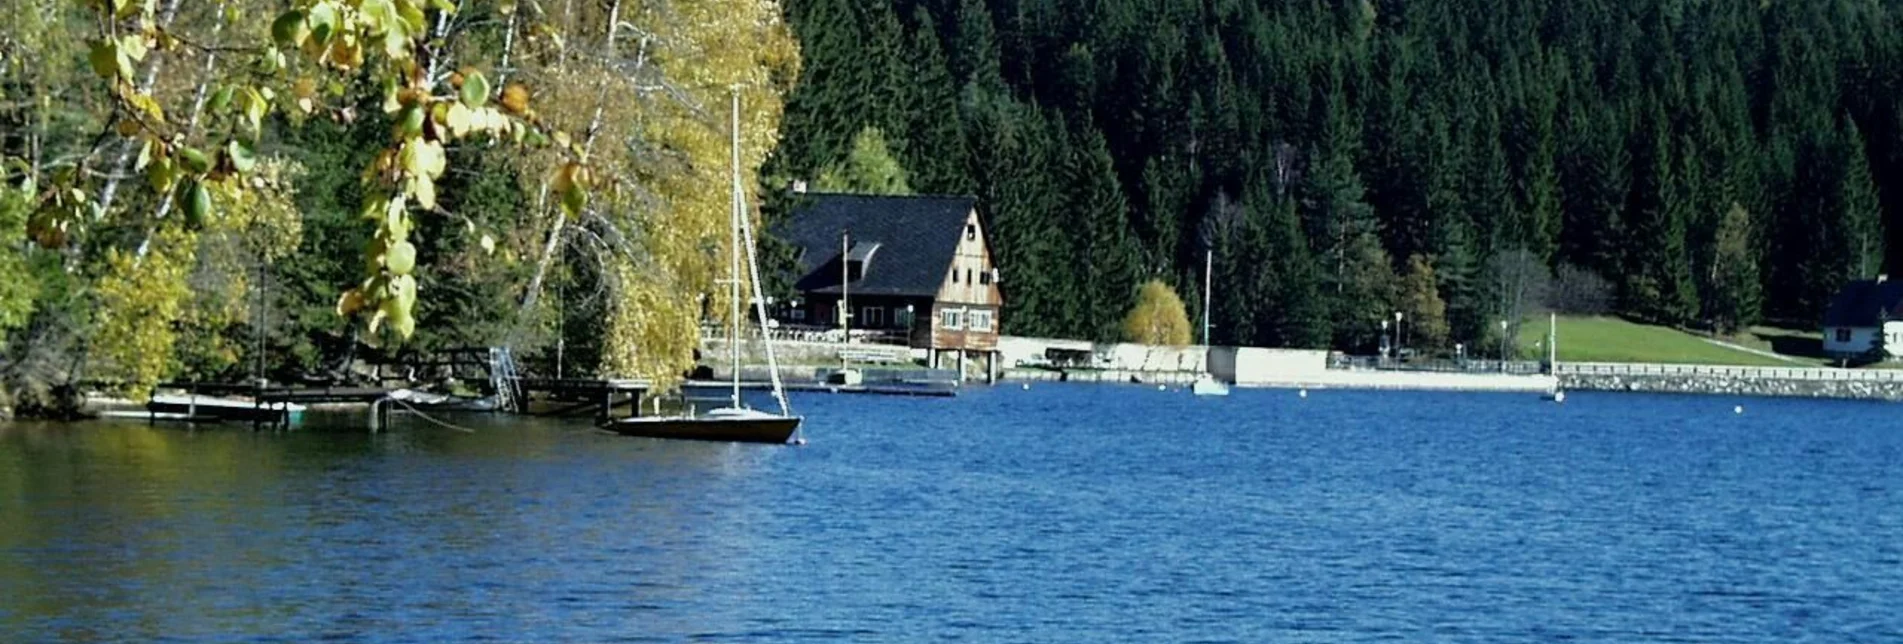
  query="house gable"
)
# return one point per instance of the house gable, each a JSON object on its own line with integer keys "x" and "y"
{"x": 971, "y": 277}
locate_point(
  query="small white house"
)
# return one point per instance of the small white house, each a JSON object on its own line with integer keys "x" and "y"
{"x": 1859, "y": 312}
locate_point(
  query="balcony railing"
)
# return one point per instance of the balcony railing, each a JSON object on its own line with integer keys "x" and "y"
{"x": 802, "y": 333}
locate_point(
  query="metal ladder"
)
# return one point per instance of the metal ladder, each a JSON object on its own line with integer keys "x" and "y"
{"x": 503, "y": 378}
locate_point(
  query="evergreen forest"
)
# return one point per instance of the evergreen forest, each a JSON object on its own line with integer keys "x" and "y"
{"x": 1702, "y": 164}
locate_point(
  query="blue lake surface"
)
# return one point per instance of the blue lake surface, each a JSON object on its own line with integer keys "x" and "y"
{"x": 1054, "y": 514}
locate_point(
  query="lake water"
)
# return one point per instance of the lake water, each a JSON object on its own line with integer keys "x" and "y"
{"x": 1057, "y": 514}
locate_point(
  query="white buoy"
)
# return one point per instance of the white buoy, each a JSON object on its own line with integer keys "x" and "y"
{"x": 1303, "y": 393}
{"x": 1559, "y": 397}
{"x": 1739, "y": 410}
{"x": 1027, "y": 386}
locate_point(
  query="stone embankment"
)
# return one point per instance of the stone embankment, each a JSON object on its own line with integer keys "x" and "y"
{"x": 1852, "y": 384}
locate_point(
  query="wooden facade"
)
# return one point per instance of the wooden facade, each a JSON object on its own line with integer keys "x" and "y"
{"x": 917, "y": 270}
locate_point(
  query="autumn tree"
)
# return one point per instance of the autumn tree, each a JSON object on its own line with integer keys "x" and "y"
{"x": 868, "y": 169}
{"x": 1423, "y": 311}
{"x": 1158, "y": 317}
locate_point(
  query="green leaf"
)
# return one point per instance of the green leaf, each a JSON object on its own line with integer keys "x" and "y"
{"x": 255, "y": 106}
{"x": 323, "y": 22}
{"x": 161, "y": 174}
{"x": 104, "y": 58}
{"x": 444, "y": 6}
{"x": 574, "y": 199}
{"x": 380, "y": 16}
{"x": 242, "y": 158}
{"x": 289, "y": 29}
{"x": 195, "y": 160}
{"x": 400, "y": 259}
{"x": 221, "y": 99}
{"x": 475, "y": 90}
{"x": 412, "y": 13}
{"x": 413, "y": 121}
{"x": 199, "y": 205}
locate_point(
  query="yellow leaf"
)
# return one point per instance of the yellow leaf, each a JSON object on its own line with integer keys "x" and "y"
{"x": 424, "y": 189}
{"x": 457, "y": 120}
{"x": 349, "y": 303}
{"x": 134, "y": 46}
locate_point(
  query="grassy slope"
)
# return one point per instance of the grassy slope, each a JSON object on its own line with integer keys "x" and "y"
{"x": 1605, "y": 339}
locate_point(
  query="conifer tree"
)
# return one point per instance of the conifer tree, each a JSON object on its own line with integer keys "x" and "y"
{"x": 1107, "y": 250}
{"x": 936, "y": 149}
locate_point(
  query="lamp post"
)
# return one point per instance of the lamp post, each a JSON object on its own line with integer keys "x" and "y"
{"x": 1385, "y": 345}
{"x": 1400, "y": 337}
{"x": 1503, "y": 345}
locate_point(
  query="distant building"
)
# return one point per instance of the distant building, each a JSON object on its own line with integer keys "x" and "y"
{"x": 914, "y": 270}
{"x": 1859, "y": 312}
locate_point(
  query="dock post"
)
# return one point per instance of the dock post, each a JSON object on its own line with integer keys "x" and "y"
{"x": 961, "y": 366}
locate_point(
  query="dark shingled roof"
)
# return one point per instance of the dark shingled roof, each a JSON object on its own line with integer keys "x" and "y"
{"x": 915, "y": 237}
{"x": 1859, "y": 303}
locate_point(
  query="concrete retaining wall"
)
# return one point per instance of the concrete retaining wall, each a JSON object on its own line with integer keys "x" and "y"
{"x": 1738, "y": 386}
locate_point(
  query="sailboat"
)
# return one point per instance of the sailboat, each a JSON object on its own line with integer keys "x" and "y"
{"x": 736, "y": 422}
{"x": 1206, "y": 383}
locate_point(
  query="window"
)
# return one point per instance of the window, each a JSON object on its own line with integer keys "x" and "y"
{"x": 981, "y": 320}
{"x": 1843, "y": 335}
{"x": 954, "y": 276}
{"x": 872, "y": 317}
{"x": 968, "y": 276}
{"x": 951, "y": 319}
{"x": 984, "y": 277}
{"x": 971, "y": 232}
{"x": 799, "y": 315}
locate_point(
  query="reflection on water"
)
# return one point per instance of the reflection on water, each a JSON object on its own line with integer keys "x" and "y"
{"x": 1062, "y": 513}
{"x": 110, "y": 531}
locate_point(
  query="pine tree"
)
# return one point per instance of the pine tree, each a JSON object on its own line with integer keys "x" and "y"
{"x": 1732, "y": 289}
{"x": 936, "y": 149}
{"x": 1105, "y": 246}
{"x": 1862, "y": 214}
{"x": 975, "y": 56}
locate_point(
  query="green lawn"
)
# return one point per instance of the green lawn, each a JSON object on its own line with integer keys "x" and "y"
{"x": 1608, "y": 339}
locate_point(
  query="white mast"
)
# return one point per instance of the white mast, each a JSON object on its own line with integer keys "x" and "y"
{"x": 733, "y": 260}
{"x": 745, "y": 226}
{"x": 1209, "y": 262}
{"x": 845, "y": 281}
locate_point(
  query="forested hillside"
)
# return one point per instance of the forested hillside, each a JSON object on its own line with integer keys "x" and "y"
{"x": 1715, "y": 163}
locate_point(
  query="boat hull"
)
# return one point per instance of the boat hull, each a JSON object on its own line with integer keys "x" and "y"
{"x": 1209, "y": 388}
{"x": 774, "y": 430}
